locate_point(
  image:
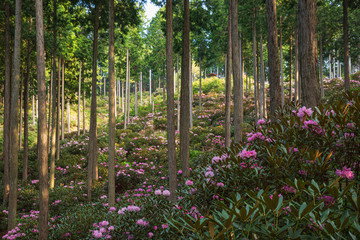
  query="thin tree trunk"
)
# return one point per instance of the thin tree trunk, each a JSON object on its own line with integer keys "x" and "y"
{"x": 122, "y": 97}
{"x": 185, "y": 104}
{"x": 26, "y": 107}
{"x": 112, "y": 100}
{"x": 281, "y": 67}
{"x": 255, "y": 64}
{"x": 92, "y": 163}
{"x": 346, "y": 44}
{"x": 164, "y": 88}
{"x": 84, "y": 126}
{"x": 190, "y": 92}
{"x": 68, "y": 115}
{"x": 7, "y": 107}
{"x": 21, "y": 107}
{"x": 141, "y": 89}
{"x": 58, "y": 110}
{"x": 54, "y": 99}
{"x": 238, "y": 100}
{"x": 178, "y": 95}
{"x": 136, "y": 98}
{"x": 79, "y": 99}
{"x": 321, "y": 68}
{"x": 262, "y": 79}
{"x": 290, "y": 72}
{"x": 330, "y": 73}
{"x": 273, "y": 56}
{"x": 33, "y": 109}
{"x": 42, "y": 125}
{"x": 200, "y": 86}
{"x": 126, "y": 90}
{"x": 296, "y": 75}
{"x": 170, "y": 102}
{"x": 309, "y": 70}
{"x": 63, "y": 100}
{"x": 150, "y": 85}
{"x": 228, "y": 82}
{"x": 14, "y": 116}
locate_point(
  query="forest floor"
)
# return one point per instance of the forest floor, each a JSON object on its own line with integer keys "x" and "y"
{"x": 142, "y": 210}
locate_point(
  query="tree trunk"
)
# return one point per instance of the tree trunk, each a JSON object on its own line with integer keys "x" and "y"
{"x": 150, "y": 85}
{"x": 63, "y": 100}
{"x": 7, "y": 107}
{"x": 321, "y": 68}
{"x": 200, "y": 86}
{"x": 136, "y": 98}
{"x": 309, "y": 70}
{"x": 92, "y": 163}
{"x": 238, "y": 100}
{"x": 26, "y": 107}
{"x": 330, "y": 73}
{"x": 178, "y": 95}
{"x": 84, "y": 126}
{"x": 170, "y": 102}
{"x": 190, "y": 92}
{"x": 281, "y": 67}
{"x": 273, "y": 56}
{"x": 262, "y": 79}
{"x": 164, "y": 89}
{"x": 68, "y": 114}
{"x": 58, "y": 111}
{"x": 290, "y": 74}
{"x": 33, "y": 109}
{"x": 112, "y": 100}
{"x": 346, "y": 44}
{"x": 42, "y": 125}
{"x": 126, "y": 90}
{"x": 21, "y": 107}
{"x": 228, "y": 82}
{"x": 141, "y": 89}
{"x": 79, "y": 100}
{"x": 185, "y": 104}
{"x": 53, "y": 109}
{"x": 122, "y": 97}
{"x": 296, "y": 76}
{"x": 255, "y": 64}
{"x": 14, "y": 116}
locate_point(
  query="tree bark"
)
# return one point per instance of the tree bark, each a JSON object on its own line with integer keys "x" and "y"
{"x": 112, "y": 100}
{"x": 185, "y": 103}
{"x": 79, "y": 100}
{"x": 281, "y": 67}
{"x": 150, "y": 85}
{"x": 321, "y": 68}
{"x": 190, "y": 92}
{"x": 42, "y": 125}
{"x": 170, "y": 101}
{"x": 14, "y": 116}
{"x": 290, "y": 74}
{"x": 255, "y": 64}
{"x": 200, "y": 76}
{"x": 141, "y": 89}
{"x": 53, "y": 109}
{"x": 262, "y": 79}
{"x": 228, "y": 82}
{"x": 68, "y": 115}
{"x": 136, "y": 98}
{"x": 309, "y": 70}
{"x": 26, "y": 107}
{"x": 330, "y": 73}
{"x": 346, "y": 44}
{"x": 21, "y": 107}
{"x": 92, "y": 163}
{"x": 238, "y": 100}
{"x": 273, "y": 56}
{"x": 84, "y": 126}
{"x": 178, "y": 95}
{"x": 296, "y": 76}
{"x": 58, "y": 110}
{"x": 126, "y": 90}
{"x": 63, "y": 100}
{"x": 7, "y": 107}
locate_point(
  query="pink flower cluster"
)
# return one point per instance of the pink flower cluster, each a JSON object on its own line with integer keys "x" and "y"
{"x": 103, "y": 231}
{"x": 345, "y": 173}
{"x": 303, "y": 111}
{"x": 247, "y": 154}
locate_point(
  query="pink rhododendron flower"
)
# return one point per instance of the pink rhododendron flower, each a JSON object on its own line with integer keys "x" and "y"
{"x": 345, "y": 173}
{"x": 166, "y": 193}
{"x": 189, "y": 183}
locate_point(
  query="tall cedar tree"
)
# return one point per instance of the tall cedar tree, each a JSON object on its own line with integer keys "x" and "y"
{"x": 111, "y": 105}
{"x": 185, "y": 103}
{"x": 308, "y": 54}
{"x": 14, "y": 116}
{"x": 238, "y": 92}
{"x": 346, "y": 44}
{"x": 7, "y": 107}
{"x": 42, "y": 125}
{"x": 228, "y": 84}
{"x": 170, "y": 100}
{"x": 92, "y": 162}
{"x": 273, "y": 56}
